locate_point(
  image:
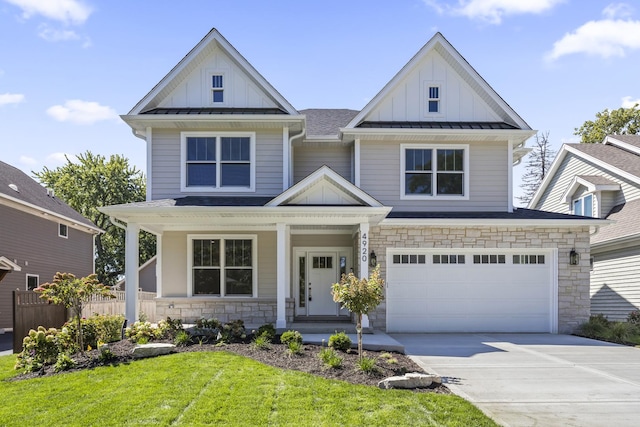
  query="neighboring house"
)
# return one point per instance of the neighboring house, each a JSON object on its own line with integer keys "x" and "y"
{"x": 146, "y": 277}
{"x": 602, "y": 181}
{"x": 40, "y": 235}
{"x": 259, "y": 208}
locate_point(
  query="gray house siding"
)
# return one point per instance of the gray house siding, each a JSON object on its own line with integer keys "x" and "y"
{"x": 615, "y": 290}
{"x": 165, "y": 171}
{"x": 34, "y": 244}
{"x": 307, "y": 159}
{"x": 380, "y": 177}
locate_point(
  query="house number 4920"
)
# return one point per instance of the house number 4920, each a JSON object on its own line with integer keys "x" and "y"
{"x": 364, "y": 243}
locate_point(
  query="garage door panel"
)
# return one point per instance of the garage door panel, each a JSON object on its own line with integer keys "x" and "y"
{"x": 469, "y": 297}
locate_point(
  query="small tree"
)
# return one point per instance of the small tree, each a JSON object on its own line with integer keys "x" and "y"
{"x": 73, "y": 293}
{"x": 538, "y": 165}
{"x": 359, "y": 296}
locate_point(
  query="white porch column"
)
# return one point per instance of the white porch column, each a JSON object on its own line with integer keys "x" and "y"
{"x": 158, "y": 265}
{"x": 131, "y": 272}
{"x": 364, "y": 260}
{"x": 281, "y": 281}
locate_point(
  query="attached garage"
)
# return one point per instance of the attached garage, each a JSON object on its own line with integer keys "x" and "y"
{"x": 449, "y": 290}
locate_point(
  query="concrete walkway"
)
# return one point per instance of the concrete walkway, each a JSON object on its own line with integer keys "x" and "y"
{"x": 535, "y": 379}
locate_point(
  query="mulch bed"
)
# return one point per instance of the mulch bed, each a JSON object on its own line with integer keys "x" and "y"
{"x": 276, "y": 355}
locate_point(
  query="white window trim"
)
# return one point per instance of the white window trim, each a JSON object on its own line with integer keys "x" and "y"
{"x": 254, "y": 266}
{"x": 59, "y": 228}
{"x": 581, "y": 199}
{"x": 434, "y": 196}
{"x": 209, "y": 84}
{"x": 217, "y": 135}
{"x": 26, "y": 280}
{"x": 425, "y": 101}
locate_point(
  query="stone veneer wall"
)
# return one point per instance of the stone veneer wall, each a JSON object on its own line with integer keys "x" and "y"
{"x": 573, "y": 280}
{"x": 254, "y": 311}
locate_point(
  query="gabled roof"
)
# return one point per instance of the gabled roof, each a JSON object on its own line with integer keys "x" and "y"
{"x": 592, "y": 182}
{"x": 191, "y": 60}
{"x": 326, "y": 122}
{"x": 17, "y": 187}
{"x": 463, "y": 68}
{"x": 7, "y": 264}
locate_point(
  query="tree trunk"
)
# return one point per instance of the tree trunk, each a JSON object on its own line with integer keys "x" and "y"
{"x": 359, "y": 331}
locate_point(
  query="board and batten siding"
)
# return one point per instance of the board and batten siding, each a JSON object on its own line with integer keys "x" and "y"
{"x": 571, "y": 165}
{"x": 488, "y": 162}
{"x": 615, "y": 290}
{"x": 33, "y": 243}
{"x": 165, "y": 171}
{"x": 174, "y": 261}
{"x": 307, "y": 160}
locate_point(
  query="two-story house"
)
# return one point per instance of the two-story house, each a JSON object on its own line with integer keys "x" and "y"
{"x": 259, "y": 207}
{"x": 602, "y": 181}
{"x": 40, "y": 235}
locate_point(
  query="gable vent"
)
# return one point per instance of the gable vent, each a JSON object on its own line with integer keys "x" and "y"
{"x": 14, "y": 187}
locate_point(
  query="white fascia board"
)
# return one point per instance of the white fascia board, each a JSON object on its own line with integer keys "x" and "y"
{"x": 7, "y": 264}
{"x": 466, "y": 222}
{"x": 612, "y": 140}
{"x": 140, "y": 122}
{"x": 516, "y": 136}
{"x": 591, "y": 188}
{"x": 35, "y": 210}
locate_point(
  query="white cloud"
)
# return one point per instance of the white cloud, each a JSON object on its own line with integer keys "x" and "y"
{"x": 58, "y": 159}
{"x": 55, "y": 35}
{"x": 605, "y": 38}
{"x": 11, "y": 98}
{"x": 617, "y": 10}
{"x": 628, "y": 102}
{"x": 66, "y": 11}
{"x": 82, "y": 112}
{"x": 493, "y": 11}
{"x": 27, "y": 161}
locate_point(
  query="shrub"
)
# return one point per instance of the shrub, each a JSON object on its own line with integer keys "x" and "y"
{"x": 599, "y": 319}
{"x": 41, "y": 347}
{"x": 232, "y": 331}
{"x": 367, "y": 365}
{"x": 294, "y": 347}
{"x": 262, "y": 342}
{"x": 291, "y": 336}
{"x": 64, "y": 362}
{"x": 620, "y": 332}
{"x": 140, "y": 332}
{"x": 211, "y": 323}
{"x": 106, "y": 355}
{"x": 388, "y": 357}
{"x": 330, "y": 358}
{"x": 168, "y": 329}
{"x": 340, "y": 341}
{"x": 182, "y": 338}
{"x": 268, "y": 330}
{"x": 96, "y": 329}
{"x": 634, "y": 317}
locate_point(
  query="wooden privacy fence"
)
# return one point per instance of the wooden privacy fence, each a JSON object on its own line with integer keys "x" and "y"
{"x": 101, "y": 305}
{"x": 31, "y": 311}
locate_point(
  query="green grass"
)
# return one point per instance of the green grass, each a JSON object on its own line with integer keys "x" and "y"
{"x": 209, "y": 388}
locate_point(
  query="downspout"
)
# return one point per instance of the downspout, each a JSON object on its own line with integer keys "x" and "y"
{"x": 291, "y": 138}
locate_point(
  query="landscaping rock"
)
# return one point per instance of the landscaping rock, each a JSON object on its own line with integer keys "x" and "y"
{"x": 151, "y": 350}
{"x": 410, "y": 381}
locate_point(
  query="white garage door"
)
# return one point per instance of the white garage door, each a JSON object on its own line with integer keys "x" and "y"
{"x": 471, "y": 291}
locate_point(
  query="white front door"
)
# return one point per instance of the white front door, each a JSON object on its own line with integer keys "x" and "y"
{"x": 323, "y": 272}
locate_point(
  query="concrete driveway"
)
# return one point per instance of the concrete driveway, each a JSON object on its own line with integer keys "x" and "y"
{"x": 535, "y": 379}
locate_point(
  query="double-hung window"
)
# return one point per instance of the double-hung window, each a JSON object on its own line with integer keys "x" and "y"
{"x": 222, "y": 265}
{"x": 438, "y": 172}
{"x": 583, "y": 206}
{"x": 217, "y": 88}
{"x": 433, "y": 101}
{"x": 218, "y": 162}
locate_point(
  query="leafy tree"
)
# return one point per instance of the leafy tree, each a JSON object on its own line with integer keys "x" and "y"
{"x": 359, "y": 296}
{"x": 73, "y": 293}
{"x": 92, "y": 182}
{"x": 538, "y": 165}
{"x": 623, "y": 121}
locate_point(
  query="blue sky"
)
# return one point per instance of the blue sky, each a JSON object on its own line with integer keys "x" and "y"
{"x": 68, "y": 68}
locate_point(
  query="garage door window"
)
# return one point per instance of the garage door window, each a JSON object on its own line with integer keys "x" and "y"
{"x": 448, "y": 259}
{"x": 489, "y": 259}
{"x": 528, "y": 259}
{"x": 409, "y": 259}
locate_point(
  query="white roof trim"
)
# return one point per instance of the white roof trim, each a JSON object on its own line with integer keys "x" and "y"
{"x": 612, "y": 140}
{"x": 6, "y": 264}
{"x": 327, "y": 174}
{"x": 437, "y": 39}
{"x": 591, "y": 187}
{"x": 463, "y": 222}
{"x": 213, "y": 37}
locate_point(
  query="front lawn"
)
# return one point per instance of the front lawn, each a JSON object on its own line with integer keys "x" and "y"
{"x": 221, "y": 388}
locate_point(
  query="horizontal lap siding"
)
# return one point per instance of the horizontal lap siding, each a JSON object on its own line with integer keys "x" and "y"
{"x": 308, "y": 159}
{"x": 165, "y": 173}
{"x": 568, "y": 169}
{"x": 34, "y": 244}
{"x": 615, "y": 283}
{"x": 380, "y": 177}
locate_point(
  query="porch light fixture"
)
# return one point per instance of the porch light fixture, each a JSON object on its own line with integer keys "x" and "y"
{"x": 574, "y": 257}
{"x": 373, "y": 259}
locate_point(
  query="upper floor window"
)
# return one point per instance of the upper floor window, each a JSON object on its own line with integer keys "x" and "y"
{"x": 583, "y": 205}
{"x": 217, "y": 88}
{"x": 434, "y": 171}
{"x": 219, "y": 162}
{"x": 222, "y": 265}
{"x": 63, "y": 230}
{"x": 433, "y": 103}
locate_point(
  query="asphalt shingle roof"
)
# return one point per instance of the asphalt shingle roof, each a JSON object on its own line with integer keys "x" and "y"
{"x": 30, "y": 191}
{"x": 597, "y": 180}
{"x": 327, "y": 121}
{"x": 628, "y": 139}
{"x": 626, "y": 222}
{"x": 614, "y": 156}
